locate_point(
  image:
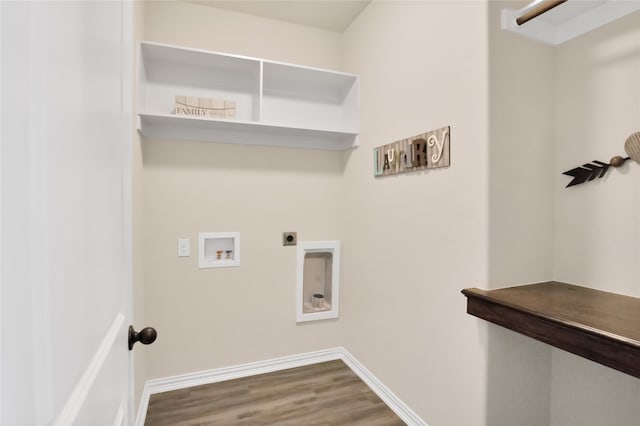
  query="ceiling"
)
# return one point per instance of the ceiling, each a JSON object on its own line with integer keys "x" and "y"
{"x": 332, "y": 15}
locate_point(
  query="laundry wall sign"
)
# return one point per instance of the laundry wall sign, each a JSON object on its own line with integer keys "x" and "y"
{"x": 428, "y": 150}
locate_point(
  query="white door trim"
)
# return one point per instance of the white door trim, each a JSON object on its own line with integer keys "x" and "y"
{"x": 128, "y": 62}
{"x": 244, "y": 370}
{"x": 1, "y": 217}
{"x": 70, "y": 411}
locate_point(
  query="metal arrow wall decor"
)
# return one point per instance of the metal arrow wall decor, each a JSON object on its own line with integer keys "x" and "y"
{"x": 597, "y": 169}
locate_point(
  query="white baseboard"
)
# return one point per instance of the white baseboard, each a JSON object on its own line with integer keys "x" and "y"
{"x": 235, "y": 372}
{"x": 401, "y": 409}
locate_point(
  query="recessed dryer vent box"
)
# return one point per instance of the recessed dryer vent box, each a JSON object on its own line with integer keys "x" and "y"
{"x": 218, "y": 249}
{"x": 318, "y": 280}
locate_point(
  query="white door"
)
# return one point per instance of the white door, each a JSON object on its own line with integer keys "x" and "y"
{"x": 65, "y": 254}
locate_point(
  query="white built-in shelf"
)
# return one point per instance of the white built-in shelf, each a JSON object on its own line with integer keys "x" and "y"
{"x": 568, "y": 20}
{"x": 277, "y": 104}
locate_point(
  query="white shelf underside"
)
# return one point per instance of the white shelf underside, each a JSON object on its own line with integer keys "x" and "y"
{"x": 170, "y": 126}
{"x": 569, "y": 20}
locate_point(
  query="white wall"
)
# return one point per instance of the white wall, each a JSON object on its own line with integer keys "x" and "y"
{"x": 520, "y": 114}
{"x": 209, "y": 318}
{"x": 402, "y": 310}
{"x": 413, "y": 241}
{"x": 521, "y": 177}
{"x": 553, "y": 109}
{"x": 521, "y": 148}
{"x": 597, "y": 224}
{"x": 193, "y": 25}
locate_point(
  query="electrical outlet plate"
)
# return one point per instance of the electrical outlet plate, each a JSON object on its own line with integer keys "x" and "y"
{"x": 289, "y": 238}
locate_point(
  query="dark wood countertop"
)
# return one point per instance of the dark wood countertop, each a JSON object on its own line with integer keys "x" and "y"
{"x": 601, "y": 326}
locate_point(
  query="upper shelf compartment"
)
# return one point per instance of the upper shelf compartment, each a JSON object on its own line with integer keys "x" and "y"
{"x": 276, "y": 104}
{"x": 568, "y": 20}
{"x": 299, "y": 96}
{"x": 167, "y": 71}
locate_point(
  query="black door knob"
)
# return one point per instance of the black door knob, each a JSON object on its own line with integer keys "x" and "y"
{"x": 145, "y": 336}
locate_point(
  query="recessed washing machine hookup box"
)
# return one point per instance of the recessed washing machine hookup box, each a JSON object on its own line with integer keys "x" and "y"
{"x": 218, "y": 249}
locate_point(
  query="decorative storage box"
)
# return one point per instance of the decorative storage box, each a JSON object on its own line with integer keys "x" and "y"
{"x": 205, "y": 107}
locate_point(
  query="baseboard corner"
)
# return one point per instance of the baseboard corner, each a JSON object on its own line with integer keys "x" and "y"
{"x": 267, "y": 366}
{"x": 401, "y": 409}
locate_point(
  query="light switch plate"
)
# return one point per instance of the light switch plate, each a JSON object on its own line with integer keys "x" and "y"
{"x": 184, "y": 247}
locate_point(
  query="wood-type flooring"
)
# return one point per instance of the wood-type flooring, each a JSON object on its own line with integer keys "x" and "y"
{"x": 327, "y": 393}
